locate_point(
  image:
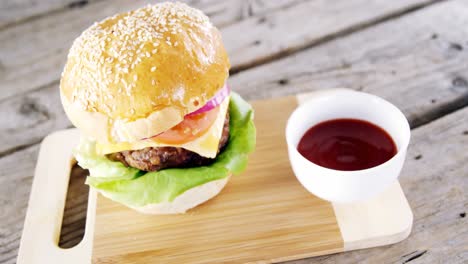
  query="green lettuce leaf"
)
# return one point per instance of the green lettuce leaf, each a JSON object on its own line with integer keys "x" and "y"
{"x": 135, "y": 188}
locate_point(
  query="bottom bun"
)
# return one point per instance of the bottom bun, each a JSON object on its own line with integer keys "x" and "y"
{"x": 187, "y": 200}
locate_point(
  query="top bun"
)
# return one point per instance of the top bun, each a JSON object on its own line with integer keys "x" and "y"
{"x": 136, "y": 74}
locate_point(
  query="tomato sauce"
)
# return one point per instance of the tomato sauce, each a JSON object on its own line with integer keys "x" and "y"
{"x": 347, "y": 144}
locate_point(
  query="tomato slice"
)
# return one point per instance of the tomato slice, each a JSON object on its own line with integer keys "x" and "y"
{"x": 189, "y": 129}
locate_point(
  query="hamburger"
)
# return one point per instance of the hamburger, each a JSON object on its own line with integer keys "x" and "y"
{"x": 161, "y": 130}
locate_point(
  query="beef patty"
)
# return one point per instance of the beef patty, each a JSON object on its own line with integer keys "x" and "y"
{"x": 158, "y": 158}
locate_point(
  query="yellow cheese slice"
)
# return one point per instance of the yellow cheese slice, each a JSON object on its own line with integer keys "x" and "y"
{"x": 206, "y": 145}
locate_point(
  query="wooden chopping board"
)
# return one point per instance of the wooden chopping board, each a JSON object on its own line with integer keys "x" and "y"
{"x": 263, "y": 215}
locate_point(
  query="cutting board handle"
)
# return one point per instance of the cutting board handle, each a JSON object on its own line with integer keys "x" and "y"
{"x": 41, "y": 233}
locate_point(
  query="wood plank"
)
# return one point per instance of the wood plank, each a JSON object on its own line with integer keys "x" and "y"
{"x": 419, "y": 62}
{"x": 36, "y": 113}
{"x": 33, "y": 54}
{"x": 430, "y": 73}
{"x": 437, "y": 197}
{"x": 303, "y": 25}
{"x": 15, "y": 184}
{"x": 14, "y": 11}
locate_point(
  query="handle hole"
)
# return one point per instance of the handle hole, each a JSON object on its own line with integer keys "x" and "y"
{"x": 76, "y": 204}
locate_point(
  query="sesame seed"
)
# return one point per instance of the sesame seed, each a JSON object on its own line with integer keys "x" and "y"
{"x": 114, "y": 49}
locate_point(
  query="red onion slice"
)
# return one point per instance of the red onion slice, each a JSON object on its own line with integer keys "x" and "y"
{"x": 216, "y": 100}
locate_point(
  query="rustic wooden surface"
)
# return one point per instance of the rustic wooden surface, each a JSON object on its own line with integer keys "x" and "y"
{"x": 278, "y": 224}
{"x": 413, "y": 53}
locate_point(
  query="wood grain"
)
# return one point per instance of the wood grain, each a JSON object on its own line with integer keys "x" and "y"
{"x": 15, "y": 186}
{"x": 21, "y": 11}
{"x": 26, "y": 119}
{"x": 432, "y": 86}
{"x": 422, "y": 67}
{"x": 15, "y": 11}
{"x": 137, "y": 222}
{"x": 451, "y": 137}
{"x": 33, "y": 54}
{"x": 300, "y": 26}
{"x": 373, "y": 70}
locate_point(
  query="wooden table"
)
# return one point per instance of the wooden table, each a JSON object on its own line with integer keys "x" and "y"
{"x": 412, "y": 52}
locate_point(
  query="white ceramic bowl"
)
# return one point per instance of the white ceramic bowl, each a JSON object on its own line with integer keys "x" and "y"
{"x": 346, "y": 186}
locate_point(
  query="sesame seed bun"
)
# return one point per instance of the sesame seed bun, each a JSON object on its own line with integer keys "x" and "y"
{"x": 137, "y": 74}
